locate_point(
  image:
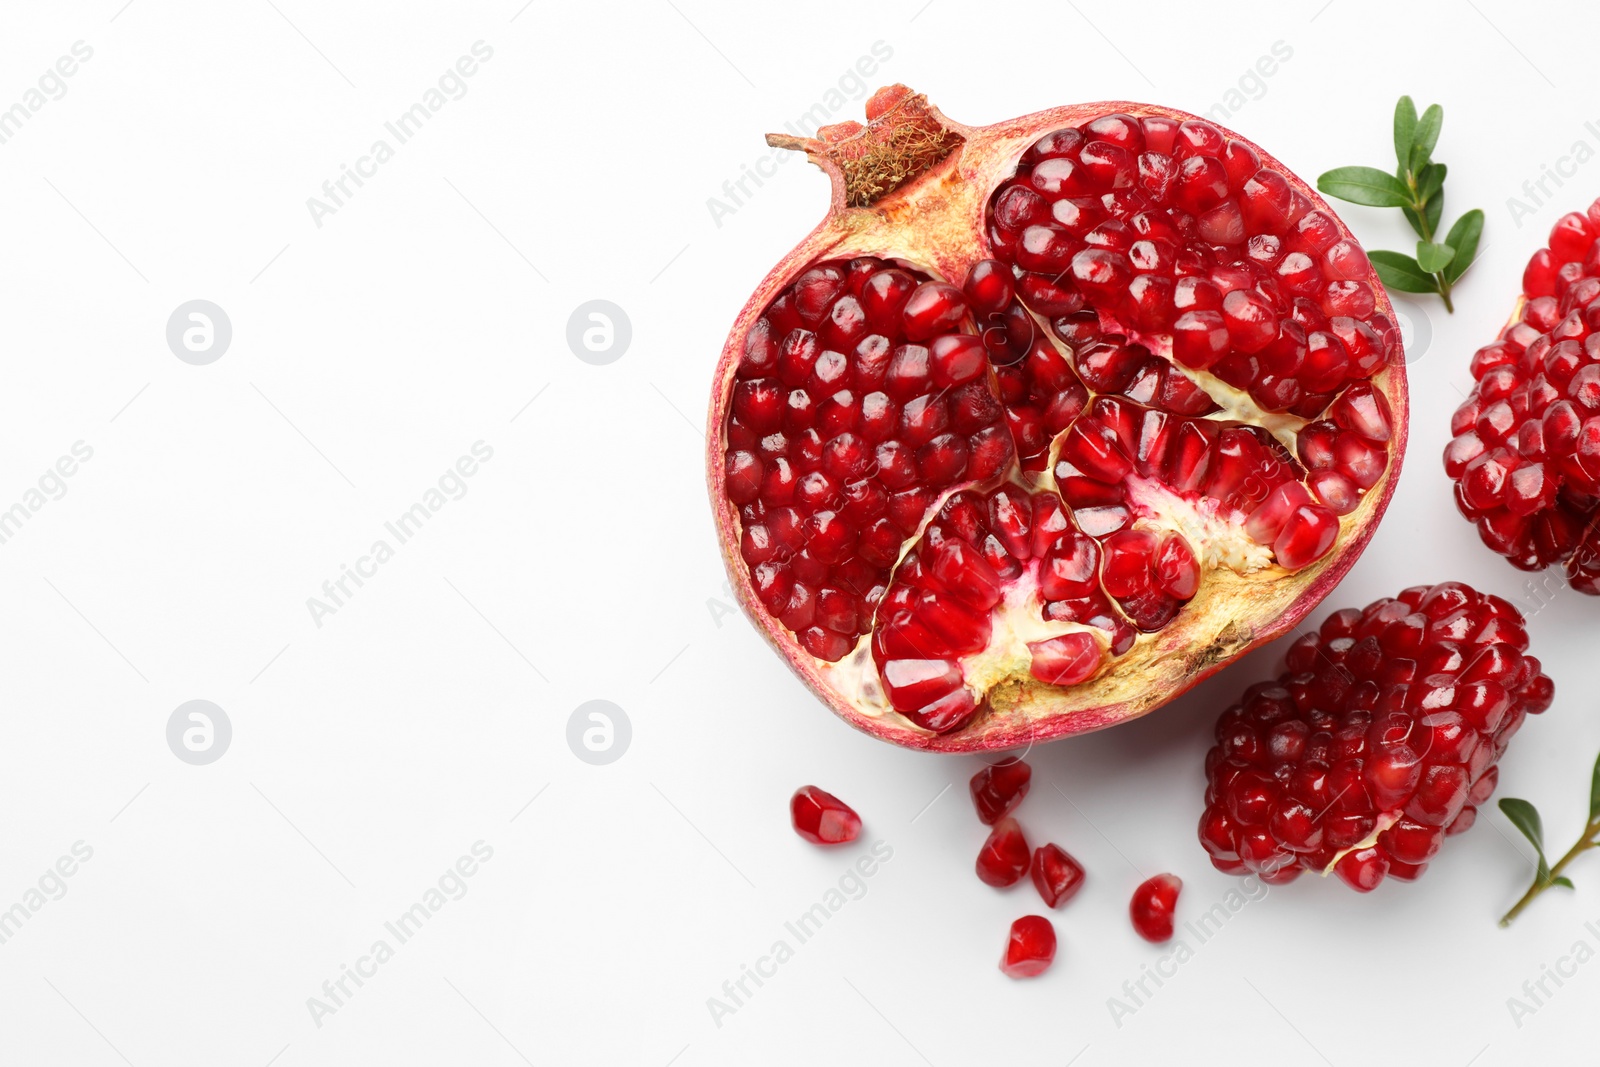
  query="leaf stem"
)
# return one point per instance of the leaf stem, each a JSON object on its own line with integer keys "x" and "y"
{"x": 1420, "y": 208}
{"x": 1539, "y": 885}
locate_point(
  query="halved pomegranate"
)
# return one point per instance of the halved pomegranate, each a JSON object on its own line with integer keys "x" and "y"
{"x": 1048, "y": 420}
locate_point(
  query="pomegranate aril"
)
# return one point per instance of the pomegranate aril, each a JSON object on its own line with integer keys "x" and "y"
{"x": 933, "y": 308}
{"x": 998, "y": 788}
{"x": 1056, "y": 875}
{"x": 1003, "y": 859}
{"x": 1199, "y": 338}
{"x": 1153, "y": 907}
{"x": 822, "y": 818}
{"x": 1030, "y": 949}
{"x": 1065, "y": 660}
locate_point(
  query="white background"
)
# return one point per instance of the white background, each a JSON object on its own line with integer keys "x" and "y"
{"x": 370, "y": 753}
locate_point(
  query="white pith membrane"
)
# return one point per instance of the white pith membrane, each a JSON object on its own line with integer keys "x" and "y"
{"x": 1385, "y": 822}
{"x": 1000, "y": 678}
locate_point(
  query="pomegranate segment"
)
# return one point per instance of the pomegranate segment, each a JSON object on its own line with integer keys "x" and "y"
{"x": 999, "y": 788}
{"x": 1526, "y": 453}
{"x": 822, "y": 818}
{"x": 1030, "y": 949}
{"x": 855, "y": 402}
{"x": 1380, "y": 740}
{"x": 1153, "y": 905}
{"x": 1049, "y": 419}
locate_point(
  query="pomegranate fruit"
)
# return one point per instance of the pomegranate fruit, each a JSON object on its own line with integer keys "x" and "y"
{"x": 1049, "y": 419}
{"x": 1003, "y": 859}
{"x": 1056, "y": 875}
{"x": 1525, "y": 456}
{"x": 1379, "y": 740}
{"x": 822, "y": 818}
{"x": 1153, "y": 906}
{"x": 999, "y": 788}
{"x": 1030, "y": 949}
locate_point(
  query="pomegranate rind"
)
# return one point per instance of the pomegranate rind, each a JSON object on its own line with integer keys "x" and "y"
{"x": 1228, "y": 617}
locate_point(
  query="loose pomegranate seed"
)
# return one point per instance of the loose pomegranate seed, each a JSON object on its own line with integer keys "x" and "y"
{"x": 999, "y": 788}
{"x": 1379, "y": 741}
{"x": 822, "y": 818}
{"x": 1030, "y": 949}
{"x": 1160, "y": 368}
{"x": 1153, "y": 906}
{"x": 1056, "y": 875}
{"x": 1003, "y": 860}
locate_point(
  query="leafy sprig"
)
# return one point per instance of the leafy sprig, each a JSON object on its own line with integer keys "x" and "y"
{"x": 1417, "y": 189}
{"x": 1525, "y": 817}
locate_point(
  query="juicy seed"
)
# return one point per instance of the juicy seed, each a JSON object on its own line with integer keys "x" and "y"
{"x": 1003, "y": 860}
{"x": 1379, "y": 740}
{"x": 822, "y": 818}
{"x": 999, "y": 788}
{"x": 1030, "y": 949}
{"x": 1153, "y": 905}
{"x": 1056, "y": 875}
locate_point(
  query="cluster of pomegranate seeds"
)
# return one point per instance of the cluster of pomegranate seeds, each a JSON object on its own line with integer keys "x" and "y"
{"x": 1183, "y": 236}
{"x": 1004, "y": 860}
{"x": 822, "y": 818}
{"x": 1380, "y": 739}
{"x": 862, "y": 392}
{"x": 1153, "y": 906}
{"x": 1526, "y": 453}
{"x": 1162, "y": 368}
{"x": 1030, "y": 949}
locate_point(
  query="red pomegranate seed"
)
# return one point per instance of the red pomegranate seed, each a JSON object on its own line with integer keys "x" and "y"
{"x": 1153, "y": 906}
{"x": 1066, "y": 660}
{"x": 1003, "y": 860}
{"x": 989, "y": 287}
{"x": 822, "y": 818}
{"x": 1056, "y": 875}
{"x": 998, "y": 788}
{"x": 1030, "y": 949}
{"x": 932, "y": 309}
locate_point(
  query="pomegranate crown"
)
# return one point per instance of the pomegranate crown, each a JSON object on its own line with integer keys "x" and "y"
{"x": 903, "y": 138}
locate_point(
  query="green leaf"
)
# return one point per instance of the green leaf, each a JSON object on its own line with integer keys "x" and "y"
{"x": 1426, "y": 136}
{"x": 1400, "y": 271}
{"x": 1432, "y": 258}
{"x": 1463, "y": 237}
{"x": 1433, "y": 211}
{"x": 1525, "y": 817}
{"x": 1430, "y": 181}
{"x": 1562, "y": 880}
{"x": 1405, "y": 129}
{"x": 1365, "y": 185}
{"x": 1594, "y": 794}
